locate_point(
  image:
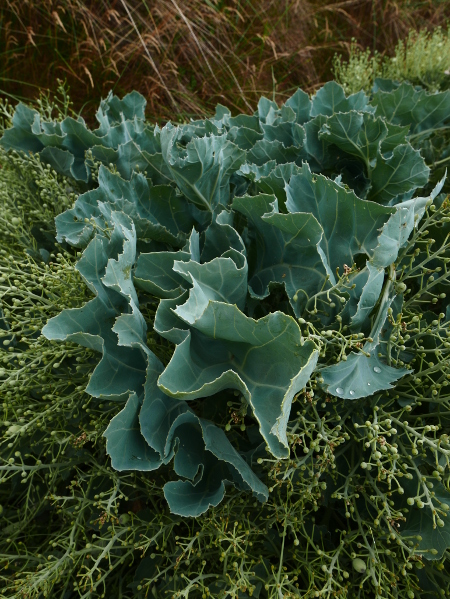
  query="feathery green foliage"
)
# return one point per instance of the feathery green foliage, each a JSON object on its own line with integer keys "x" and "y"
{"x": 423, "y": 58}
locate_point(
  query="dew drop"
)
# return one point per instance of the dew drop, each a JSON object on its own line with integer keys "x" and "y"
{"x": 352, "y": 392}
{"x": 376, "y": 369}
{"x": 339, "y": 390}
{"x": 368, "y": 384}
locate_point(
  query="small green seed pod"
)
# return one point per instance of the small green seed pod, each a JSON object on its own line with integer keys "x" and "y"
{"x": 359, "y": 565}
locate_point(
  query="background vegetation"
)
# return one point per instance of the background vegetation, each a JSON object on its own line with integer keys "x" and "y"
{"x": 185, "y": 56}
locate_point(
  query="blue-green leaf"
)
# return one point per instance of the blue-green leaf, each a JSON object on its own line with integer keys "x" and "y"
{"x": 131, "y": 106}
{"x": 61, "y": 161}
{"x": 125, "y": 443}
{"x": 350, "y": 225}
{"x": 403, "y": 172}
{"x": 223, "y": 279}
{"x": 361, "y": 375}
{"x": 202, "y": 171}
{"x": 217, "y": 463}
{"x": 20, "y": 136}
{"x": 301, "y": 105}
{"x": 275, "y": 182}
{"x": 221, "y": 236}
{"x": 359, "y": 134}
{"x": 158, "y": 212}
{"x": 414, "y": 108}
{"x": 266, "y": 360}
{"x": 285, "y": 252}
{"x": 154, "y": 273}
{"x": 331, "y": 99}
{"x": 121, "y": 369}
{"x": 369, "y": 297}
{"x": 266, "y": 151}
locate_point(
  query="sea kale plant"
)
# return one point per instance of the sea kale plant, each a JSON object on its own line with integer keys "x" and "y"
{"x": 269, "y": 298}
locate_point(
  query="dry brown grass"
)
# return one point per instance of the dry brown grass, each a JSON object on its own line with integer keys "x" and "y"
{"x": 187, "y": 55}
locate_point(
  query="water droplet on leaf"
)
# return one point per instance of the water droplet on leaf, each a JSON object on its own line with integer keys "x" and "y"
{"x": 339, "y": 390}
{"x": 352, "y": 392}
{"x": 376, "y": 369}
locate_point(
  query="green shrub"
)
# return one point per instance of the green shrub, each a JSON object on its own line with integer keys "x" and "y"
{"x": 269, "y": 295}
{"x": 422, "y": 59}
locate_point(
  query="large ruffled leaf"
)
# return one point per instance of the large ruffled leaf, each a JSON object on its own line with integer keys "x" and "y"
{"x": 158, "y": 213}
{"x": 414, "y": 108}
{"x": 301, "y": 105}
{"x": 366, "y": 137}
{"x": 221, "y": 236}
{"x": 266, "y": 107}
{"x": 266, "y": 360}
{"x": 205, "y": 455}
{"x": 167, "y": 323}
{"x": 266, "y": 151}
{"x": 61, "y": 161}
{"x": 396, "y": 136}
{"x": 350, "y": 225}
{"x": 20, "y": 136}
{"x": 368, "y": 297}
{"x": 130, "y": 157}
{"x": 202, "y": 171}
{"x": 152, "y": 432}
{"x": 285, "y": 250}
{"x": 396, "y": 231}
{"x": 356, "y": 133}
{"x": 403, "y": 172}
{"x": 275, "y": 182}
{"x": 125, "y": 443}
{"x": 222, "y": 279}
{"x": 280, "y": 126}
{"x": 321, "y": 155}
{"x": 244, "y": 130}
{"x": 155, "y": 271}
{"x": 116, "y": 111}
{"x": 123, "y": 138}
{"x": 331, "y": 98}
{"x": 121, "y": 369}
{"x": 393, "y": 236}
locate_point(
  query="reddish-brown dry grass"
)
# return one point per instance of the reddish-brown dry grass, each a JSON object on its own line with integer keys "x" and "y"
{"x": 187, "y": 55}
